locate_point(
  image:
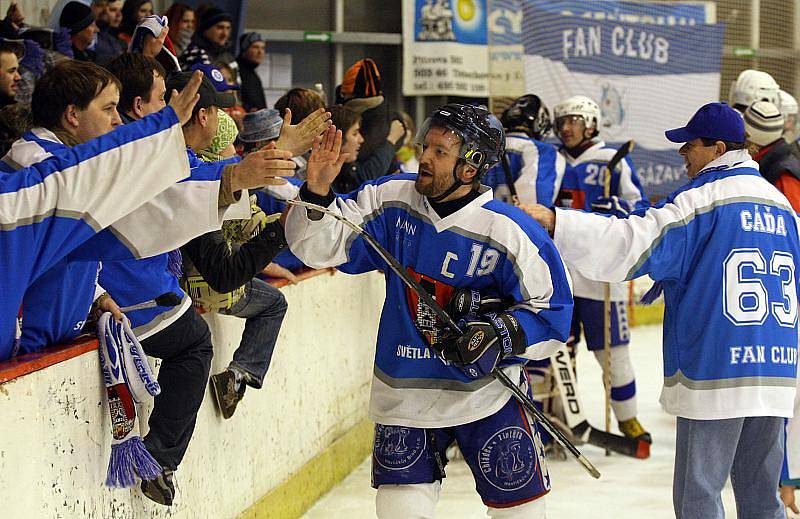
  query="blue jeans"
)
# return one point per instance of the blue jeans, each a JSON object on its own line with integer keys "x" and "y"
{"x": 263, "y": 307}
{"x": 707, "y": 451}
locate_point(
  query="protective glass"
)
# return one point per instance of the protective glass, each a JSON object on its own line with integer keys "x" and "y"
{"x": 569, "y": 120}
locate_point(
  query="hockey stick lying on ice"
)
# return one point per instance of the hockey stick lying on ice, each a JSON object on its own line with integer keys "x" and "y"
{"x": 426, "y": 298}
{"x": 577, "y": 423}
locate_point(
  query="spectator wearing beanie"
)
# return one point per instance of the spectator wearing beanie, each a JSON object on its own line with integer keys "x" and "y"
{"x": 211, "y": 40}
{"x": 361, "y": 91}
{"x": 78, "y": 19}
{"x": 763, "y": 124}
{"x": 251, "y": 55}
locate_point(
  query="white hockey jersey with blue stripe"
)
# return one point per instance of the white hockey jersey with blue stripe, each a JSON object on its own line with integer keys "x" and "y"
{"x": 486, "y": 245}
{"x": 50, "y": 209}
{"x": 584, "y": 180}
{"x": 536, "y": 169}
{"x": 56, "y": 305}
{"x": 726, "y": 248}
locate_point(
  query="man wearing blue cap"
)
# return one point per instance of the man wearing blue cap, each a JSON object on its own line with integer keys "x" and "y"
{"x": 724, "y": 249}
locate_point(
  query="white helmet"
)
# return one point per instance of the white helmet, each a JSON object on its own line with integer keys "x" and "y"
{"x": 579, "y": 105}
{"x": 752, "y": 86}
{"x": 788, "y": 104}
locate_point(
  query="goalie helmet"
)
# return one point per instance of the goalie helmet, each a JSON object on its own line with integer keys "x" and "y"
{"x": 482, "y": 137}
{"x": 581, "y": 106}
{"x": 752, "y": 86}
{"x": 529, "y": 114}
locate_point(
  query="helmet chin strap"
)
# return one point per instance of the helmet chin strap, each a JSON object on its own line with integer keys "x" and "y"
{"x": 450, "y": 190}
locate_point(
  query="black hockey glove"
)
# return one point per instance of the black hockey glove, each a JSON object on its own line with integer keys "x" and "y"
{"x": 485, "y": 341}
{"x": 467, "y": 303}
{"x": 613, "y": 205}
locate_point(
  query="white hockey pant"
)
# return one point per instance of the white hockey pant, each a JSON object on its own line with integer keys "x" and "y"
{"x": 419, "y": 502}
{"x": 621, "y": 376}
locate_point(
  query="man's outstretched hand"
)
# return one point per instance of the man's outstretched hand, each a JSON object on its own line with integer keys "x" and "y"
{"x": 299, "y": 137}
{"x": 262, "y": 168}
{"x": 183, "y": 102}
{"x": 542, "y": 214}
{"x": 325, "y": 162}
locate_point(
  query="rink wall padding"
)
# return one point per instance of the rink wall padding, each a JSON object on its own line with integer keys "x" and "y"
{"x": 643, "y": 315}
{"x": 287, "y": 444}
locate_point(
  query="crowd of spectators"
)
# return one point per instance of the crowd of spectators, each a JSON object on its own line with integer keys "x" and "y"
{"x": 107, "y": 63}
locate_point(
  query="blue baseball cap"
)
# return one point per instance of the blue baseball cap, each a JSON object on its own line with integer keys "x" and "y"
{"x": 716, "y": 121}
{"x": 216, "y": 77}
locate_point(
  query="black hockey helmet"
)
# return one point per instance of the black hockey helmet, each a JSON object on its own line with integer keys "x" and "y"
{"x": 528, "y": 113}
{"x": 482, "y": 136}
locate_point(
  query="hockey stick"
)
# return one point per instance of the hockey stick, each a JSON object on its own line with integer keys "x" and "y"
{"x": 576, "y": 421}
{"x": 621, "y": 153}
{"x": 510, "y": 180}
{"x": 426, "y": 298}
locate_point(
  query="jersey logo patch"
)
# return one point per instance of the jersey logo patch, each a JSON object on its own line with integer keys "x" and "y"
{"x": 398, "y": 448}
{"x": 508, "y": 459}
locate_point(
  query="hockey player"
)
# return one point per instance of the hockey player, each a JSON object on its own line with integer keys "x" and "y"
{"x": 724, "y": 247}
{"x": 52, "y": 211}
{"x": 446, "y": 230}
{"x": 535, "y": 168}
{"x": 788, "y": 108}
{"x": 577, "y": 126}
{"x": 751, "y": 86}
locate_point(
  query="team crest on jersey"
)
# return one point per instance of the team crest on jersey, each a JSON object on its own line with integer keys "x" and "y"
{"x": 425, "y": 320}
{"x": 611, "y": 107}
{"x": 508, "y": 459}
{"x": 398, "y": 448}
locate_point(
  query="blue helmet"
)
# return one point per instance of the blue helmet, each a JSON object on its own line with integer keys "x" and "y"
{"x": 483, "y": 140}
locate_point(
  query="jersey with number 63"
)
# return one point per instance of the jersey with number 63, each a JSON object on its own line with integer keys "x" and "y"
{"x": 725, "y": 246}
{"x": 486, "y": 245}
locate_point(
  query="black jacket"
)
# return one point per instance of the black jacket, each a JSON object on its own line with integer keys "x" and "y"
{"x": 109, "y": 46}
{"x": 252, "y": 89}
{"x": 227, "y": 268}
{"x": 777, "y": 160}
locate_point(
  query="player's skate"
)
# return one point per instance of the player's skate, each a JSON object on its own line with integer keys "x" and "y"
{"x": 633, "y": 429}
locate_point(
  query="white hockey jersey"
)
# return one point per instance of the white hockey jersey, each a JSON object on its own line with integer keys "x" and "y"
{"x": 536, "y": 170}
{"x": 726, "y": 248}
{"x": 584, "y": 180}
{"x": 486, "y": 245}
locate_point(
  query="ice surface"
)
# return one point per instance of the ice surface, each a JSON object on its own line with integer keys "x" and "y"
{"x": 628, "y": 489}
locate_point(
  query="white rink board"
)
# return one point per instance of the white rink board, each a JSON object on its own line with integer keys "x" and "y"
{"x": 628, "y": 489}
{"x": 55, "y": 435}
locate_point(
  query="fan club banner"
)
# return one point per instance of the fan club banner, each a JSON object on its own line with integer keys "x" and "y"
{"x": 646, "y": 77}
{"x": 649, "y": 65}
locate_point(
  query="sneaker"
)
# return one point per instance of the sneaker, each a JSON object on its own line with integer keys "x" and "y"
{"x": 633, "y": 429}
{"x": 162, "y": 489}
{"x": 225, "y": 392}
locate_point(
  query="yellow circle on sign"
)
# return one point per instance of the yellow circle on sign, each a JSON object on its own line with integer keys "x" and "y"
{"x": 466, "y": 9}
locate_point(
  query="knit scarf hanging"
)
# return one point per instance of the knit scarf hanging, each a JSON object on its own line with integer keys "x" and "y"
{"x": 129, "y": 381}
